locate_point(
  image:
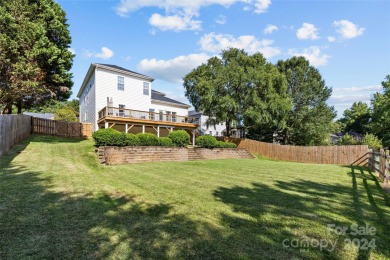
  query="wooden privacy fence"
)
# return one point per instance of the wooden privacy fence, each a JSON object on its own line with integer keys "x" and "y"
{"x": 61, "y": 128}
{"x": 349, "y": 154}
{"x": 379, "y": 163}
{"x": 13, "y": 128}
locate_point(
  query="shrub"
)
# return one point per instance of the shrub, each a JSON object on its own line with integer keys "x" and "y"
{"x": 109, "y": 137}
{"x": 180, "y": 138}
{"x": 207, "y": 141}
{"x": 372, "y": 141}
{"x": 147, "y": 139}
{"x": 165, "y": 141}
{"x": 230, "y": 145}
{"x": 221, "y": 144}
{"x": 347, "y": 140}
{"x": 132, "y": 140}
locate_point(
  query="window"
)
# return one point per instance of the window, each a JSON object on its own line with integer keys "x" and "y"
{"x": 151, "y": 113}
{"x": 161, "y": 115}
{"x": 173, "y": 116}
{"x": 121, "y": 110}
{"x": 168, "y": 115}
{"x": 121, "y": 83}
{"x": 216, "y": 134}
{"x": 210, "y": 133}
{"x": 146, "y": 88}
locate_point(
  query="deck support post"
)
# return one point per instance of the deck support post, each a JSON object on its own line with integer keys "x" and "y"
{"x": 106, "y": 125}
{"x": 158, "y": 131}
{"x": 143, "y": 129}
{"x": 126, "y": 128}
{"x": 193, "y": 137}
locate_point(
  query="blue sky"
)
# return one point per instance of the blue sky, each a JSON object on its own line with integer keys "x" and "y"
{"x": 348, "y": 41}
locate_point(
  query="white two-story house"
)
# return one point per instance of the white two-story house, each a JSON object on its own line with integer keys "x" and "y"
{"x": 115, "y": 97}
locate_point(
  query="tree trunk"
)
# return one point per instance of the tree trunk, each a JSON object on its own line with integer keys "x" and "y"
{"x": 19, "y": 106}
{"x": 7, "y": 109}
{"x": 228, "y": 128}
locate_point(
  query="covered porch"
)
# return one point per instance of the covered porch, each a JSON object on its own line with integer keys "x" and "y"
{"x": 135, "y": 121}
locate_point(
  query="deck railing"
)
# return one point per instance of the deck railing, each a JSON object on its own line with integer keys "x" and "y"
{"x": 145, "y": 115}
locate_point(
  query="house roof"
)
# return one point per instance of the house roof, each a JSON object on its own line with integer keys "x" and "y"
{"x": 111, "y": 68}
{"x": 123, "y": 69}
{"x": 159, "y": 96}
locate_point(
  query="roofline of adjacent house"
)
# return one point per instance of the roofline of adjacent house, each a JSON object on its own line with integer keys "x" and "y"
{"x": 170, "y": 103}
{"x": 96, "y": 65}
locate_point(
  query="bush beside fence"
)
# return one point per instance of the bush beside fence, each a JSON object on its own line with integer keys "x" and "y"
{"x": 13, "y": 129}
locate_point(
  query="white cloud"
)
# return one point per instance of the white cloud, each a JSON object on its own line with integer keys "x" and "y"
{"x": 172, "y": 70}
{"x": 214, "y": 43}
{"x": 221, "y": 19}
{"x": 313, "y": 54}
{"x": 331, "y": 39}
{"x": 105, "y": 54}
{"x": 375, "y": 88}
{"x": 73, "y": 51}
{"x": 179, "y": 13}
{"x": 174, "y": 22}
{"x": 128, "y": 6}
{"x": 307, "y": 31}
{"x": 347, "y": 29}
{"x": 270, "y": 29}
{"x": 261, "y": 6}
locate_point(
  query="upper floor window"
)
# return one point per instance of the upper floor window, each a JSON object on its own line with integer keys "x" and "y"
{"x": 121, "y": 83}
{"x": 146, "y": 88}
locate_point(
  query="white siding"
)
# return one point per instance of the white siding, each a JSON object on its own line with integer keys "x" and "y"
{"x": 132, "y": 96}
{"x": 214, "y": 130}
{"x": 179, "y": 111}
{"x": 88, "y": 113}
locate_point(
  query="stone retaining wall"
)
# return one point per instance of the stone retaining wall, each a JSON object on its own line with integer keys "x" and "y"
{"x": 138, "y": 154}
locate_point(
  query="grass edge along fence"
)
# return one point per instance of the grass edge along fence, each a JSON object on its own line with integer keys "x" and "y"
{"x": 343, "y": 155}
{"x": 61, "y": 128}
{"x": 378, "y": 162}
{"x": 13, "y": 129}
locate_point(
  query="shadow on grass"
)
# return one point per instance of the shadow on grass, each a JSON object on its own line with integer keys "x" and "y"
{"x": 40, "y": 223}
{"x": 304, "y": 209}
{"x": 36, "y": 222}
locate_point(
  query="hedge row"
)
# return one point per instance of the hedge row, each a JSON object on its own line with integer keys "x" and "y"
{"x": 180, "y": 138}
{"x": 208, "y": 141}
{"x": 112, "y": 137}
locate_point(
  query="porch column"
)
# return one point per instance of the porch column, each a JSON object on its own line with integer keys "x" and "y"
{"x": 193, "y": 137}
{"x": 158, "y": 131}
{"x": 106, "y": 125}
{"x": 143, "y": 129}
{"x": 171, "y": 129}
{"x": 126, "y": 128}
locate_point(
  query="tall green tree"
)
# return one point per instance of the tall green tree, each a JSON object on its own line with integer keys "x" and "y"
{"x": 34, "y": 54}
{"x": 381, "y": 113}
{"x": 357, "y": 118}
{"x": 238, "y": 88}
{"x": 310, "y": 120}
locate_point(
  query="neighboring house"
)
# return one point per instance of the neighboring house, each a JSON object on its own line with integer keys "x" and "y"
{"x": 236, "y": 130}
{"x": 111, "y": 96}
{"x": 203, "y": 129}
{"x": 40, "y": 115}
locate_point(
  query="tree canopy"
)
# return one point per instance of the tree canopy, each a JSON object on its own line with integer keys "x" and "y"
{"x": 310, "y": 119}
{"x": 34, "y": 54}
{"x": 381, "y": 113}
{"x": 238, "y": 88}
{"x": 357, "y": 118}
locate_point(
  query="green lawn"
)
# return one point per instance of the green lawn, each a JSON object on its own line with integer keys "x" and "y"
{"x": 56, "y": 201}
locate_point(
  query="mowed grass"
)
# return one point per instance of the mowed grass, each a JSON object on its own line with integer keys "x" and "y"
{"x": 58, "y": 202}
